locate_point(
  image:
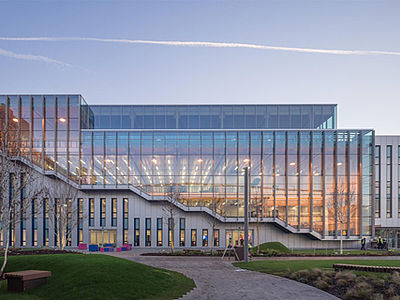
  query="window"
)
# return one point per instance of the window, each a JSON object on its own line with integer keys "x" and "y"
{"x": 102, "y": 212}
{"x": 34, "y": 222}
{"x": 80, "y": 221}
{"x": 204, "y": 237}
{"x": 388, "y": 181}
{"x": 159, "y": 232}
{"x": 171, "y": 226}
{"x": 137, "y": 232}
{"x": 45, "y": 222}
{"x": 378, "y": 181}
{"x": 69, "y": 219}
{"x": 56, "y": 206}
{"x": 148, "y": 232}
{"x": 91, "y": 212}
{"x": 12, "y": 223}
{"x": 216, "y": 238}
{"x": 114, "y": 212}
{"x": 194, "y": 237}
{"x": 125, "y": 221}
{"x": 182, "y": 232}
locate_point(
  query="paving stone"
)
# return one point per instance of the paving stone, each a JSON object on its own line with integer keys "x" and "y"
{"x": 219, "y": 279}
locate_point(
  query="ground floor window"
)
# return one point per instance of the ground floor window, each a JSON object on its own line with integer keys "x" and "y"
{"x": 182, "y": 232}
{"x": 23, "y": 233}
{"x": 171, "y": 225}
{"x": 137, "y": 231}
{"x": 148, "y": 232}
{"x": 101, "y": 237}
{"x": 235, "y": 237}
{"x": 204, "y": 237}
{"x": 216, "y": 238}
{"x": 159, "y": 232}
{"x": 194, "y": 237}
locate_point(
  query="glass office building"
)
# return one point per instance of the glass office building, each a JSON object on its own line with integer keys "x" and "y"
{"x": 305, "y": 174}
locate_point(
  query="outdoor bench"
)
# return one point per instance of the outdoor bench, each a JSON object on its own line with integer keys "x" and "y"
{"x": 128, "y": 246}
{"x": 93, "y": 248}
{"x": 380, "y": 269}
{"x": 26, "y": 280}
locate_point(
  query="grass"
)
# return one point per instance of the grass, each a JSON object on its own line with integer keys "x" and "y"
{"x": 345, "y": 252}
{"x": 273, "y": 246}
{"x": 282, "y": 249}
{"x": 282, "y": 267}
{"x": 92, "y": 276}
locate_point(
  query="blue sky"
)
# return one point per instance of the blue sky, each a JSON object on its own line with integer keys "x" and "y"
{"x": 365, "y": 86}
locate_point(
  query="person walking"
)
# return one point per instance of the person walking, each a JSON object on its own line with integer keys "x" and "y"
{"x": 363, "y": 242}
{"x": 380, "y": 242}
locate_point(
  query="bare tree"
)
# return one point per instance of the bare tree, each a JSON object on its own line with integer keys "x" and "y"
{"x": 256, "y": 210}
{"x": 215, "y": 207}
{"x": 170, "y": 212}
{"x": 344, "y": 198}
{"x": 19, "y": 186}
{"x": 62, "y": 211}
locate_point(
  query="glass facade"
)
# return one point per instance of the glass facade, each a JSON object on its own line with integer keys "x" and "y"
{"x": 295, "y": 176}
{"x": 315, "y": 116}
{"x": 301, "y": 167}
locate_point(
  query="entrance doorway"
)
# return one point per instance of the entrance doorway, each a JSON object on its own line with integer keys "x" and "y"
{"x": 101, "y": 237}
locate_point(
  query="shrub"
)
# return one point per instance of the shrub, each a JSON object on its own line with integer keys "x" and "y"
{"x": 357, "y": 293}
{"x": 321, "y": 284}
{"x": 270, "y": 252}
{"x": 302, "y": 276}
{"x": 395, "y": 278}
{"x": 345, "y": 275}
{"x": 377, "y": 297}
{"x": 378, "y": 282}
{"x": 391, "y": 291}
{"x": 316, "y": 272}
{"x": 342, "y": 283}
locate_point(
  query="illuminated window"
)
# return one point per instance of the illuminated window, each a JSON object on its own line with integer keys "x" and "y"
{"x": 182, "y": 232}
{"x": 159, "y": 232}
{"x": 194, "y": 237}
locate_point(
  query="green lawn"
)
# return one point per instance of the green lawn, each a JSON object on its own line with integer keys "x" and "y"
{"x": 345, "y": 252}
{"x": 80, "y": 276}
{"x": 281, "y": 267}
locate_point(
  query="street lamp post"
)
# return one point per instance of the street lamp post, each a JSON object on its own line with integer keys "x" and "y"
{"x": 246, "y": 214}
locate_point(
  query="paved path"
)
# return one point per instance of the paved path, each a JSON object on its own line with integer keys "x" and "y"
{"x": 218, "y": 279}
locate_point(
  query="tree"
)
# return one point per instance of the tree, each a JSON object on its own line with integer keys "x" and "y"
{"x": 170, "y": 212}
{"x": 215, "y": 208}
{"x": 344, "y": 198}
{"x": 62, "y": 211}
{"x": 256, "y": 208}
{"x": 19, "y": 186}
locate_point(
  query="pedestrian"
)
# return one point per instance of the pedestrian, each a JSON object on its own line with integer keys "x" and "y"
{"x": 380, "y": 242}
{"x": 363, "y": 242}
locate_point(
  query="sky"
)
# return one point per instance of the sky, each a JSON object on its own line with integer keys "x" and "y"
{"x": 113, "y": 53}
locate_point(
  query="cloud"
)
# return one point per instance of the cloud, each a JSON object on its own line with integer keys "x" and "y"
{"x": 11, "y": 54}
{"x": 207, "y": 44}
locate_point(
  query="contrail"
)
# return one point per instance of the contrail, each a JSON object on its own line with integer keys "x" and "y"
{"x": 207, "y": 44}
{"x": 11, "y": 54}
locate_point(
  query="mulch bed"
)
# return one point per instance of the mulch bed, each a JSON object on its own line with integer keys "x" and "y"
{"x": 21, "y": 251}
